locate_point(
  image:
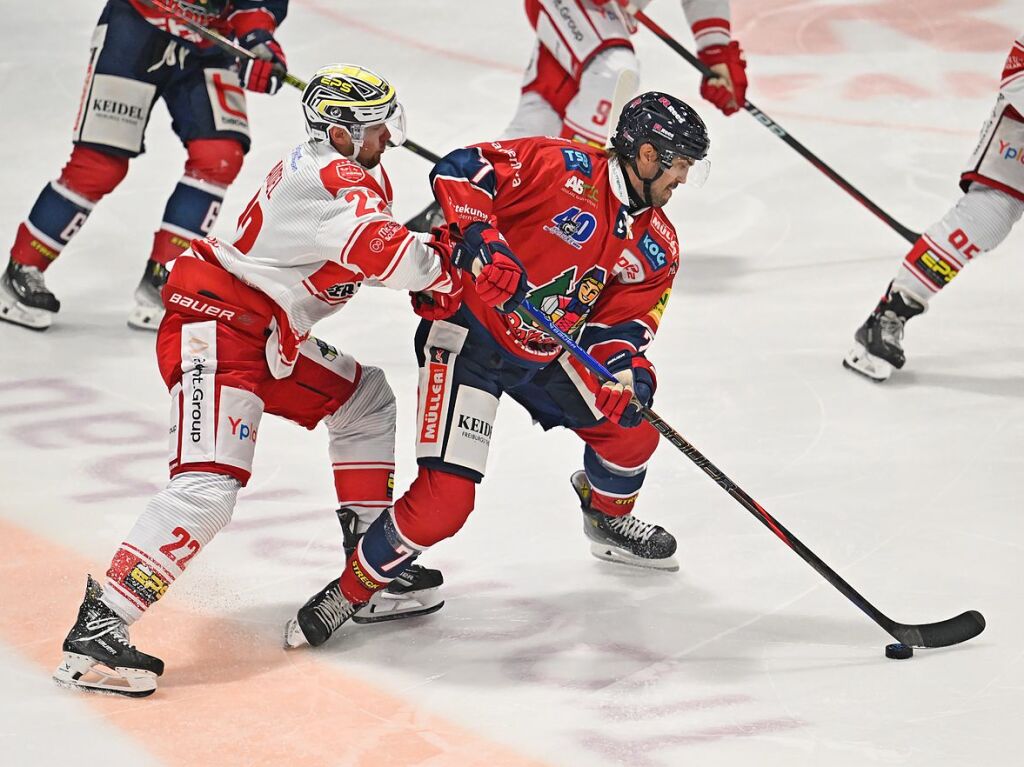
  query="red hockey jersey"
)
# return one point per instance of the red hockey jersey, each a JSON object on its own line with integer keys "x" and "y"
{"x": 595, "y": 270}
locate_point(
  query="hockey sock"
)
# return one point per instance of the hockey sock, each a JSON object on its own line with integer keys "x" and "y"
{"x": 362, "y": 447}
{"x": 382, "y": 555}
{"x": 195, "y": 203}
{"x": 64, "y": 205}
{"x": 177, "y": 523}
{"x": 613, "y": 488}
{"x": 979, "y": 221}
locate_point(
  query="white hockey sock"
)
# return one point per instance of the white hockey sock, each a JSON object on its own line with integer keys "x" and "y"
{"x": 979, "y": 221}
{"x": 177, "y": 523}
{"x": 362, "y": 449}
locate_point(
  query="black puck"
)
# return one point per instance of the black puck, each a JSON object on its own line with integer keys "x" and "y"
{"x": 899, "y": 651}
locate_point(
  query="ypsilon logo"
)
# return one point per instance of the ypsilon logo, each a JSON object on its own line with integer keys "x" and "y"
{"x": 1007, "y": 152}
{"x": 242, "y": 430}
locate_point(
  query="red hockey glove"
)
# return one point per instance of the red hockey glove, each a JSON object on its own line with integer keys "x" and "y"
{"x": 728, "y": 91}
{"x": 636, "y": 380}
{"x": 266, "y": 72}
{"x": 437, "y": 306}
{"x": 501, "y": 280}
{"x": 430, "y": 304}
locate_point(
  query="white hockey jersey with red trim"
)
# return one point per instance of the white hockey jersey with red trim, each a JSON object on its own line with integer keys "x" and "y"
{"x": 318, "y": 228}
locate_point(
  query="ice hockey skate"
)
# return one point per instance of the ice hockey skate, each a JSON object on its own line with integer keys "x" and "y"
{"x": 25, "y": 299}
{"x": 626, "y": 539}
{"x": 878, "y": 345}
{"x": 149, "y": 305}
{"x": 414, "y": 592}
{"x": 98, "y": 656}
{"x": 324, "y": 613}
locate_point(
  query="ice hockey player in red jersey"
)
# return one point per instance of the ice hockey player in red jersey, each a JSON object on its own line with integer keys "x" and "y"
{"x": 992, "y": 203}
{"x": 580, "y": 230}
{"x": 584, "y": 49}
{"x": 235, "y": 344}
{"x": 140, "y": 53}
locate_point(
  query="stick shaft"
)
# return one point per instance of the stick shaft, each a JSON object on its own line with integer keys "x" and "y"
{"x": 908, "y": 234}
{"x": 719, "y": 477}
{"x": 230, "y": 46}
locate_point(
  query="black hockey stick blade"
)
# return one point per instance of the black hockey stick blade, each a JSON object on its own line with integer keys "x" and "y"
{"x": 942, "y": 634}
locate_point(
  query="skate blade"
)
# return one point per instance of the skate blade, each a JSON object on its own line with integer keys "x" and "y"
{"x": 860, "y": 361}
{"x": 18, "y": 314}
{"x": 80, "y": 672}
{"x": 293, "y": 636}
{"x": 622, "y": 557}
{"x": 145, "y": 317}
{"x": 393, "y": 607}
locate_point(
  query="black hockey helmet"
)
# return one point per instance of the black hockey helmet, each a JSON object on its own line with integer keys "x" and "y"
{"x": 671, "y": 126}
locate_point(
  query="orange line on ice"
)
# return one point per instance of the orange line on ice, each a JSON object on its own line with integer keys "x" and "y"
{"x": 228, "y": 697}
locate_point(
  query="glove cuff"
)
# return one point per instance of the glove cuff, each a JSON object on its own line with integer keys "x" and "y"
{"x": 244, "y": 22}
{"x": 727, "y": 54}
{"x": 711, "y": 32}
{"x": 641, "y": 366}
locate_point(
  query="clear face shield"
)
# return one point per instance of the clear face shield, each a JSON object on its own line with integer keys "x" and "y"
{"x": 697, "y": 171}
{"x": 393, "y": 123}
{"x": 696, "y": 176}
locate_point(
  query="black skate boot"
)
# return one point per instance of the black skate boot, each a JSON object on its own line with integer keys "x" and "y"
{"x": 626, "y": 539}
{"x": 879, "y": 348}
{"x": 426, "y": 219}
{"x": 98, "y": 656}
{"x": 24, "y": 298}
{"x": 149, "y": 304}
{"x": 412, "y": 593}
{"x": 320, "y": 617}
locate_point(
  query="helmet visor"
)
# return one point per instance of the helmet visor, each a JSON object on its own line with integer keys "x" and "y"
{"x": 395, "y": 123}
{"x": 698, "y": 173}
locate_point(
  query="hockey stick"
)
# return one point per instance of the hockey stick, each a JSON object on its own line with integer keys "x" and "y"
{"x": 908, "y": 234}
{"x": 229, "y": 46}
{"x": 948, "y": 632}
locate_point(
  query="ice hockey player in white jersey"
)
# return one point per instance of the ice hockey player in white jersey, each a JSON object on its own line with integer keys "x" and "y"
{"x": 583, "y": 51}
{"x": 584, "y": 61}
{"x": 235, "y": 343}
{"x": 992, "y": 203}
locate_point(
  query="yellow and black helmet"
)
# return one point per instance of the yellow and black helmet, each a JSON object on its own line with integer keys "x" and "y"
{"x": 354, "y": 98}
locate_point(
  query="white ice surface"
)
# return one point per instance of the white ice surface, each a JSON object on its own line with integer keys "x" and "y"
{"x": 910, "y": 489}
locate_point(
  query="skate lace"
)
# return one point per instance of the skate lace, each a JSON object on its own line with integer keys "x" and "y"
{"x": 334, "y": 609}
{"x": 631, "y": 527}
{"x": 33, "y": 279}
{"x": 112, "y": 626}
{"x": 891, "y": 327}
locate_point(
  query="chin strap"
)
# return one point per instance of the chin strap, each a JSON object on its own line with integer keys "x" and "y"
{"x": 645, "y": 200}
